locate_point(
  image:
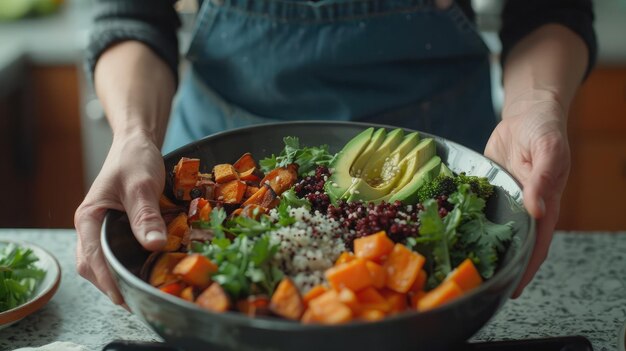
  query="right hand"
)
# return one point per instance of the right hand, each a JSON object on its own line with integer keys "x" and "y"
{"x": 131, "y": 180}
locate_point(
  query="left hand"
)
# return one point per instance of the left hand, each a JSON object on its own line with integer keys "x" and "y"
{"x": 531, "y": 143}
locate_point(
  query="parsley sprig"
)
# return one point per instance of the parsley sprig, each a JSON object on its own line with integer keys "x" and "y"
{"x": 19, "y": 276}
{"x": 464, "y": 232}
{"x": 306, "y": 157}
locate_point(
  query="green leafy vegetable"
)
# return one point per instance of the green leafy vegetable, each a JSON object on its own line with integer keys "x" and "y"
{"x": 18, "y": 276}
{"x": 307, "y": 158}
{"x": 446, "y": 185}
{"x": 464, "y": 232}
{"x": 289, "y": 198}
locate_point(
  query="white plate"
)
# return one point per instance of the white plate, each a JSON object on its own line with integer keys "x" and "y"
{"x": 44, "y": 291}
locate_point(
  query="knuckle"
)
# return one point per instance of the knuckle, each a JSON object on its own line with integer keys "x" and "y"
{"x": 83, "y": 268}
{"x": 144, "y": 214}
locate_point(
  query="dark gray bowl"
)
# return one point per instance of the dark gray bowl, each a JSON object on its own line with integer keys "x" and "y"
{"x": 183, "y": 324}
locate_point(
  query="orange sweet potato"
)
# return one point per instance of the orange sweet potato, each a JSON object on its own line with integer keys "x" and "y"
{"x": 352, "y": 275}
{"x": 286, "y": 300}
{"x": 250, "y": 190}
{"x": 313, "y": 293}
{"x": 420, "y": 282}
{"x": 442, "y": 294}
{"x": 214, "y": 299}
{"x": 178, "y": 226}
{"x": 187, "y": 294}
{"x": 245, "y": 163}
{"x": 185, "y": 177}
{"x": 161, "y": 272}
{"x": 370, "y": 298}
{"x": 466, "y": 276}
{"x": 416, "y": 297}
{"x": 378, "y": 274}
{"x": 254, "y": 305}
{"x": 205, "y": 212}
{"x": 308, "y": 317}
{"x": 348, "y": 298}
{"x": 194, "y": 208}
{"x": 328, "y": 309}
{"x": 397, "y": 301}
{"x": 264, "y": 197}
{"x": 224, "y": 173}
{"x": 196, "y": 270}
{"x": 373, "y": 247}
{"x": 249, "y": 175}
{"x": 253, "y": 211}
{"x": 231, "y": 192}
{"x": 173, "y": 288}
{"x": 344, "y": 257}
{"x": 370, "y": 315}
{"x": 402, "y": 267}
{"x": 172, "y": 244}
{"x": 282, "y": 178}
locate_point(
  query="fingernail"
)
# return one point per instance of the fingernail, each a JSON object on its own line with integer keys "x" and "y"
{"x": 154, "y": 236}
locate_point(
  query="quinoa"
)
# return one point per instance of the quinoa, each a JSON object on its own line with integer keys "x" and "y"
{"x": 308, "y": 247}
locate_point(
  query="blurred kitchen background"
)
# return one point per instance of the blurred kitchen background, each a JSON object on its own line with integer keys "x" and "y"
{"x": 54, "y": 137}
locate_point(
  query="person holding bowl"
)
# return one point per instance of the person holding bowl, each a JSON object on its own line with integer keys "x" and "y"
{"x": 418, "y": 64}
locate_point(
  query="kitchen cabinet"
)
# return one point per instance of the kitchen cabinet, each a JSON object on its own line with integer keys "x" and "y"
{"x": 595, "y": 197}
{"x": 42, "y": 186}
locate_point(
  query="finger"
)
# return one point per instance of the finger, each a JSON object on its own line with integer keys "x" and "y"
{"x": 144, "y": 214}
{"x": 87, "y": 221}
{"x": 105, "y": 281}
{"x": 543, "y": 181}
{"x": 545, "y": 231}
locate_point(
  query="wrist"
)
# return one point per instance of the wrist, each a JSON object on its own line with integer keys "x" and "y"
{"x": 523, "y": 101}
{"x": 136, "y": 134}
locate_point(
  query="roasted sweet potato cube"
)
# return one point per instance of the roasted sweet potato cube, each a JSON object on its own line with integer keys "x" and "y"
{"x": 195, "y": 270}
{"x": 161, "y": 272}
{"x": 286, "y": 301}
{"x": 178, "y": 226}
{"x": 185, "y": 177}
{"x": 254, "y": 305}
{"x": 172, "y": 244}
{"x": 249, "y": 175}
{"x": 231, "y": 192}
{"x": 187, "y": 294}
{"x": 250, "y": 190}
{"x": 282, "y": 178}
{"x": 224, "y": 173}
{"x": 264, "y": 197}
{"x": 214, "y": 299}
{"x": 173, "y": 288}
{"x": 245, "y": 163}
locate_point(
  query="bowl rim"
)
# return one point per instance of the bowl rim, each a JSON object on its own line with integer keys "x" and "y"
{"x": 46, "y": 293}
{"x": 286, "y": 325}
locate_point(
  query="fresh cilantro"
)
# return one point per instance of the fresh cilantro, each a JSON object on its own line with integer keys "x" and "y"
{"x": 284, "y": 218}
{"x": 18, "y": 276}
{"x": 307, "y": 158}
{"x": 290, "y": 198}
{"x": 465, "y": 232}
{"x": 249, "y": 226}
{"x": 480, "y": 239}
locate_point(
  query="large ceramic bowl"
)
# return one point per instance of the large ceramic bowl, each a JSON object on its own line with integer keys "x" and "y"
{"x": 185, "y": 325}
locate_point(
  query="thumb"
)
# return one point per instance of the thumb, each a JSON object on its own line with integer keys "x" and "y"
{"x": 145, "y": 217}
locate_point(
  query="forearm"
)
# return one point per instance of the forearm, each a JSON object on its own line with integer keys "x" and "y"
{"x": 548, "y": 64}
{"x": 136, "y": 89}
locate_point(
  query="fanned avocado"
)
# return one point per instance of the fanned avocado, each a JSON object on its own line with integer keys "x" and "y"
{"x": 411, "y": 164}
{"x": 340, "y": 179}
{"x": 378, "y": 180}
{"x": 376, "y": 141}
{"x": 408, "y": 193}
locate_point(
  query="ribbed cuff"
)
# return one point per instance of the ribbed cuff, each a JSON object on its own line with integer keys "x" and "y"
{"x": 106, "y": 33}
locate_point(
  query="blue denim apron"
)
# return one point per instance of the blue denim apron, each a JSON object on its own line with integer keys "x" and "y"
{"x": 400, "y": 62}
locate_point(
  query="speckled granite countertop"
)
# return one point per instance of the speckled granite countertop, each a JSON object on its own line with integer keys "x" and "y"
{"x": 580, "y": 290}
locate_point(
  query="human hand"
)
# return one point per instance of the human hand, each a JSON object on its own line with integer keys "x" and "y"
{"x": 531, "y": 143}
{"x": 132, "y": 179}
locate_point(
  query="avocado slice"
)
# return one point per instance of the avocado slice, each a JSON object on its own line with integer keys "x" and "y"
{"x": 411, "y": 164}
{"x": 377, "y": 182}
{"x": 445, "y": 171}
{"x": 408, "y": 193}
{"x": 340, "y": 179}
{"x": 375, "y": 142}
